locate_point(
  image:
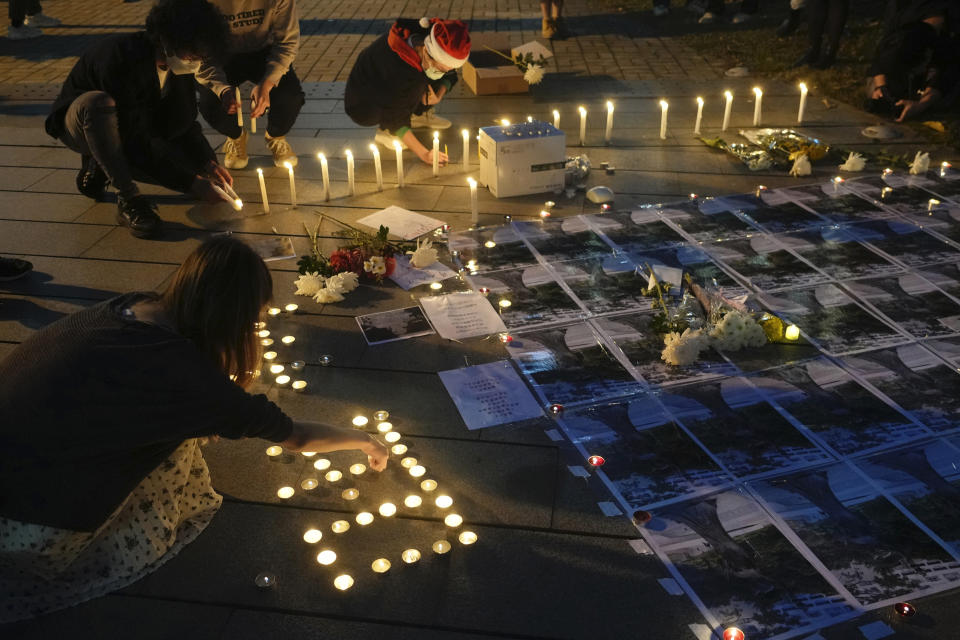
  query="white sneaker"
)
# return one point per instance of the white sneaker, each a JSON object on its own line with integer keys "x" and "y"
{"x": 660, "y": 10}
{"x": 386, "y": 139}
{"x": 235, "y": 152}
{"x": 281, "y": 150}
{"x": 740, "y": 18}
{"x": 707, "y": 18}
{"x": 41, "y": 20}
{"x": 429, "y": 120}
{"x": 24, "y": 32}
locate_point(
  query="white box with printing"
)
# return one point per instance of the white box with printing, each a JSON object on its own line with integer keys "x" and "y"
{"x": 522, "y": 158}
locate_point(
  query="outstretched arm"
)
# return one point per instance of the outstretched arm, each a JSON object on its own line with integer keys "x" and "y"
{"x": 322, "y": 438}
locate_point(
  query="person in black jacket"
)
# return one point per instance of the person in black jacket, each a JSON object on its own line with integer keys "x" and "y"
{"x": 398, "y": 79}
{"x": 129, "y": 108}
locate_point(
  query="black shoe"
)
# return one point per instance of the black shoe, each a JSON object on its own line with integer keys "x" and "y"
{"x": 13, "y": 268}
{"x": 810, "y": 57}
{"x": 91, "y": 180}
{"x": 790, "y": 23}
{"x": 140, "y": 215}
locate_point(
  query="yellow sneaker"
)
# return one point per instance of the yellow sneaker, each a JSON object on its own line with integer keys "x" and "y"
{"x": 235, "y": 152}
{"x": 548, "y": 28}
{"x": 281, "y": 150}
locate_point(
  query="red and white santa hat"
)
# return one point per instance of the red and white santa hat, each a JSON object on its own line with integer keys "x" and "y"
{"x": 448, "y": 41}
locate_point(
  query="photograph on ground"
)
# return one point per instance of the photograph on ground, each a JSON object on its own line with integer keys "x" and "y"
{"x": 526, "y": 297}
{"x": 916, "y": 305}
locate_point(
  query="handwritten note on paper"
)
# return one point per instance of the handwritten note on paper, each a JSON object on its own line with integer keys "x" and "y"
{"x": 402, "y": 223}
{"x": 490, "y": 394}
{"x": 462, "y": 315}
{"x": 408, "y": 277}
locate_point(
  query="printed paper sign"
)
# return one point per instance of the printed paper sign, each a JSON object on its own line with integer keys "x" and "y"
{"x": 405, "y": 224}
{"x": 490, "y": 394}
{"x": 462, "y": 315}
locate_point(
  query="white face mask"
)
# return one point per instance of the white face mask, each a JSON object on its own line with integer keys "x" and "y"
{"x": 434, "y": 74}
{"x": 179, "y": 66}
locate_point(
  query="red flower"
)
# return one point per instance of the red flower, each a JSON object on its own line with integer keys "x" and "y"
{"x": 391, "y": 264}
{"x": 346, "y": 260}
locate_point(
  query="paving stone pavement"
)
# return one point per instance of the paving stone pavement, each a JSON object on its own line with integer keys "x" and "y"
{"x": 549, "y": 564}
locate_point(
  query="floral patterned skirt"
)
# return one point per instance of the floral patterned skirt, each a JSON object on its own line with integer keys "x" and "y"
{"x": 43, "y": 569}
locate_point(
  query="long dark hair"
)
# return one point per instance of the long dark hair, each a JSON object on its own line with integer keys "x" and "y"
{"x": 216, "y": 298}
{"x": 193, "y": 27}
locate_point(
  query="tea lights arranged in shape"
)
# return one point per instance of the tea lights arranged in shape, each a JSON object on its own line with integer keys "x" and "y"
{"x": 663, "y": 119}
{"x": 412, "y": 501}
{"x": 312, "y": 536}
{"x": 387, "y": 509}
{"x": 391, "y": 437}
{"x": 696, "y": 126}
{"x": 417, "y": 470}
{"x": 398, "y": 148}
{"x": 381, "y": 415}
{"x": 467, "y": 537}
{"x": 505, "y": 303}
{"x": 293, "y": 185}
{"x": 428, "y": 485}
{"x": 803, "y": 102}
{"x": 273, "y": 311}
{"x": 322, "y": 464}
{"x": 608, "y": 132}
{"x": 265, "y": 580}
{"x": 358, "y": 469}
{"x": 351, "y": 183}
{"x": 263, "y": 333}
{"x": 325, "y": 173}
{"x": 556, "y": 119}
{"x": 364, "y": 518}
{"x": 263, "y": 191}
{"x": 343, "y": 582}
{"x": 385, "y": 427}
{"x": 489, "y": 244}
{"x": 291, "y": 308}
{"x": 274, "y": 451}
{"x": 436, "y": 154}
{"x": 276, "y": 368}
{"x": 757, "y": 106}
{"x": 406, "y": 463}
{"x": 285, "y": 492}
{"x": 444, "y": 502}
{"x": 583, "y": 124}
{"x": 309, "y": 484}
{"x": 340, "y": 526}
{"x": 333, "y": 475}
{"x": 282, "y": 380}
{"x": 350, "y": 494}
{"x": 308, "y": 454}
{"x": 266, "y": 342}
{"x": 299, "y": 385}
{"x": 410, "y": 556}
{"x": 441, "y": 547}
{"x": 474, "y": 201}
{"x": 378, "y": 170}
{"x": 453, "y": 520}
{"x": 727, "y": 109}
{"x": 398, "y": 449}
{"x": 436, "y": 286}
{"x": 327, "y": 557}
{"x": 380, "y": 565}
{"x": 466, "y": 149}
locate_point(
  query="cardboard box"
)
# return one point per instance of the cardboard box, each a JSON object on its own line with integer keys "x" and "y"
{"x": 523, "y": 158}
{"x": 486, "y": 74}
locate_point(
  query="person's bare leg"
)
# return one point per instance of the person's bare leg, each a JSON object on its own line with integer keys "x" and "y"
{"x": 548, "y": 26}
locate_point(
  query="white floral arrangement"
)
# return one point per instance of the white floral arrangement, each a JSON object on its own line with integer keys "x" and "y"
{"x": 855, "y": 162}
{"x": 684, "y": 348}
{"x": 920, "y": 164}
{"x": 424, "y": 255}
{"x": 801, "y": 166}
{"x": 737, "y": 330}
{"x": 326, "y": 290}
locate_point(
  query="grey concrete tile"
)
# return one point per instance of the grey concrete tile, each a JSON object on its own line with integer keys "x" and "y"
{"x": 12, "y": 156}
{"x": 27, "y": 136}
{"x": 20, "y": 178}
{"x": 64, "y": 181}
{"x": 254, "y": 625}
{"x": 87, "y": 279}
{"x": 46, "y": 207}
{"x": 172, "y": 247}
{"x": 48, "y": 237}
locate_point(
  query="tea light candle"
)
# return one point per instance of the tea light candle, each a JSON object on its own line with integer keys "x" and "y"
{"x": 444, "y": 502}
{"x": 836, "y": 183}
{"x": 364, "y": 518}
{"x": 436, "y": 154}
{"x": 727, "y": 109}
{"x": 236, "y": 96}
{"x": 343, "y": 582}
{"x": 350, "y": 494}
{"x": 417, "y": 470}
{"x": 291, "y": 308}
{"x": 325, "y": 360}
{"x": 321, "y": 464}
{"x": 312, "y": 536}
{"x": 299, "y": 385}
{"x": 274, "y": 451}
{"x": 583, "y": 125}
{"x": 412, "y": 501}
{"x": 391, "y": 437}
{"x": 333, "y": 475}
{"x": 792, "y": 332}
{"x": 474, "y": 201}
{"x": 467, "y": 537}
{"x": 282, "y": 379}
{"x": 308, "y": 454}
{"x": 358, "y": 469}
{"x": 556, "y": 119}
{"x": 398, "y": 449}
{"x": 273, "y": 311}
{"x": 327, "y": 557}
{"x": 297, "y": 365}
{"x": 943, "y": 168}
{"x": 453, "y": 520}
{"x": 663, "y": 119}
{"x": 385, "y": 427}
{"x": 428, "y": 485}
{"x": 381, "y": 415}
{"x": 696, "y": 126}
{"x": 293, "y": 185}
{"x": 803, "y": 102}
{"x": 276, "y": 368}
{"x": 757, "y": 106}
{"x": 466, "y": 149}
{"x": 360, "y": 421}
{"x": 410, "y": 556}
{"x": 932, "y": 203}
{"x": 406, "y": 463}
{"x": 285, "y": 492}
{"x": 608, "y": 133}
{"x": 263, "y": 191}
{"x": 398, "y": 148}
{"x": 378, "y": 170}
{"x": 325, "y": 173}
{"x": 267, "y": 342}
{"x": 387, "y": 509}
{"x": 380, "y": 565}
{"x": 288, "y": 339}
{"x": 309, "y": 484}
{"x": 340, "y": 526}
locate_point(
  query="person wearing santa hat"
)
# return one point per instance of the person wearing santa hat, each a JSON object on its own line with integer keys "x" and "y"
{"x": 398, "y": 79}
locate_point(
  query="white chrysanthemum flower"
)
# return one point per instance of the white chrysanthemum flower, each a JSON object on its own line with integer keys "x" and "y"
{"x": 855, "y": 162}
{"x": 683, "y": 349}
{"x": 309, "y": 283}
{"x": 375, "y": 265}
{"x": 534, "y": 74}
{"x": 327, "y": 295}
{"x": 801, "y": 166}
{"x": 343, "y": 282}
{"x": 425, "y": 255}
{"x": 920, "y": 164}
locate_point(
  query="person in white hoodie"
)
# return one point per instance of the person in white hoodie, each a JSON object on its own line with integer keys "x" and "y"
{"x": 264, "y": 39}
